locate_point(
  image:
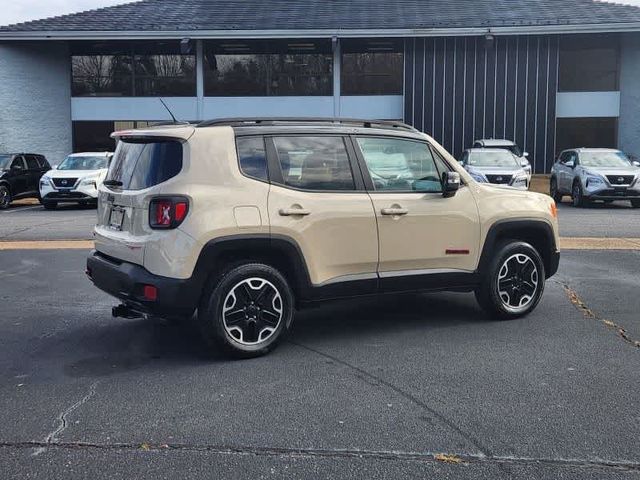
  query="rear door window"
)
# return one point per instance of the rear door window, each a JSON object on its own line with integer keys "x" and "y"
{"x": 32, "y": 163}
{"x": 252, "y": 157}
{"x": 142, "y": 164}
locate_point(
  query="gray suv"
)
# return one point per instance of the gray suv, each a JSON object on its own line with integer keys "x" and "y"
{"x": 589, "y": 174}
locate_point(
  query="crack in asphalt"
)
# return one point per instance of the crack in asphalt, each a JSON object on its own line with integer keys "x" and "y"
{"x": 423, "y": 457}
{"x": 587, "y": 312}
{"x": 52, "y": 437}
{"x": 483, "y": 449}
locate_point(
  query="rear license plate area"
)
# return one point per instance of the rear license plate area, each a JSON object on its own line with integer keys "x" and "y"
{"x": 116, "y": 218}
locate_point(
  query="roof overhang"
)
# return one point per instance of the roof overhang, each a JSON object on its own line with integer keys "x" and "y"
{"x": 321, "y": 33}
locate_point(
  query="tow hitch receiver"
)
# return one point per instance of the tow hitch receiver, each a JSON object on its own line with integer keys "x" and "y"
{"x": 124, "y": 311}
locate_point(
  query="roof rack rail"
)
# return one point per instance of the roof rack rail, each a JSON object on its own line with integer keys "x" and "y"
{"x": 253, "y": 121}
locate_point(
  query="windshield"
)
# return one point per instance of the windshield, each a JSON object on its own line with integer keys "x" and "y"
{"x": 493, "y": 159}
{"x": 83, "y": 163}
{"x": 4, "y": 161}
{"x": 510, "y": 148}
{"x": 604, "y": 159}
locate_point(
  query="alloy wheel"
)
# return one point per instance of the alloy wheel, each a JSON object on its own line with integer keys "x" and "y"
{"x": 252, "y": 311}
{"x": 4, "y": 197}
{"x": 518, "y": 282}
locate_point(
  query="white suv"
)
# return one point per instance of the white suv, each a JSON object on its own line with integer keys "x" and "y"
{"x": 75, "y": 180}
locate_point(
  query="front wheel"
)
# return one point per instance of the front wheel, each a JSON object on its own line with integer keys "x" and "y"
{"x": 577, "y": 196}
{"x": 554, "y": 192}
{"x": 5, "y": 197}
{"x": 246, "y": 311}
{"x": 513, "y": 282}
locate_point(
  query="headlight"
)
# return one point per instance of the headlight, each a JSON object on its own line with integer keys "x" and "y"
{"x": 44, "y": 181}
{"x": 89, "y": 181}
{"x": 593, "y": 181}
{"x": 478, "y": 177}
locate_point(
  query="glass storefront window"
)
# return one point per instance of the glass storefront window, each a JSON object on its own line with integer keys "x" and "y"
{"x": 372, "y": 67}
{"x": 589, "y": 63}
{"x": 118, "y": 69}
{"x": 274, "y": 68}
{"x": 586, "y": 132}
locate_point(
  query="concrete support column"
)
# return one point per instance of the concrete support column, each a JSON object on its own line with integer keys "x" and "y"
{"x": 35, "y": 94}
{"x": 200, "y": 78}
{"x": 629, "y": 120}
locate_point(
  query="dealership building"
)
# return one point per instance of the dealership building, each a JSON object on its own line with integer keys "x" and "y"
{"x": 547, "y": 74}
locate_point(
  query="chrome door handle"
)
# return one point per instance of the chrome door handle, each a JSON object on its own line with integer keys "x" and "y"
{"x": 288, "y": 212}
{"x": 394, "y": 211}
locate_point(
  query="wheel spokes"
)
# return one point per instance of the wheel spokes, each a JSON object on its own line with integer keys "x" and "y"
{"x": 517, "y": 281}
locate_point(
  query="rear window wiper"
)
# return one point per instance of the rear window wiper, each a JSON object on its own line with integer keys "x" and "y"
{"x": 112, "y": 183}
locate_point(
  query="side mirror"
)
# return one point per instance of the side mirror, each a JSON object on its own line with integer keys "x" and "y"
{"x": 525, "y": 154}
{"x": 524, "y": 163}
{"x": 571, "y": 164}
{"x": 635, "y": 163}
{"x": 54, "y": 167}
{"x": 17, "y": 167}
{"x": 450, "y": 184}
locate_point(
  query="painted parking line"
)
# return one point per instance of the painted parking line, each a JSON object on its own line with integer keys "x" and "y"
{"x": 566, "y": 243}
{"x": 591, "y": 243}
{"x": 47, "y": 245}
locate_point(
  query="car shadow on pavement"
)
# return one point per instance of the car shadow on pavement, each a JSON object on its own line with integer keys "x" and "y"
{"x": 118, "y": 346}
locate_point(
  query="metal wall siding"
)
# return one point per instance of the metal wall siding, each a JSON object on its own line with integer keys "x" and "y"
{"x": 459, "y": 89}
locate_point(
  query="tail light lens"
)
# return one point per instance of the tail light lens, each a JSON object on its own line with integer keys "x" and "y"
{"x": 167, "y": 212}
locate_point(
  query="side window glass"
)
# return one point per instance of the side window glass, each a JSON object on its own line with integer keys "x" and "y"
{"x": 32, "y": 163}
{"x": 441, "y": 164}
{"x": 17, "y": 164}
{"x": 400, "y": 165}
{"x": 252, "y": 157}
{"x": 315, "y": 163}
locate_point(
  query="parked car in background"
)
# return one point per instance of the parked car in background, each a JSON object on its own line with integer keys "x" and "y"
{"x": 75, "y": 180}
{"x": 246, "y": 220}
{"x": 589, "y": 174}
{"x": 506, "y": 145}
{"x": 19, "y": 176}
{"x": 493, "y": 165}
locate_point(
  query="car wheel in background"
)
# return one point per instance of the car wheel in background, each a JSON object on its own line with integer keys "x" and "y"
{"x": 513, "y": 283}
{"x": 553, "y": 190}
{"x": 247, "y": 310}
{"x": 5, "y": 197}
{"x": 49, "y": 205}
{"x": 635, "y": 203}
{"x": 577, "y": 195}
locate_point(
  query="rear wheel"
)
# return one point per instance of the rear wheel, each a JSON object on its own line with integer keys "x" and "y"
{"x": 513, "y": 283}
{"x": 577, "y": 196}
{"x": 48, "y": 205}
{"x": 635, "y": 203}
{"x": 554, "y": 192}
{"x": 5, "y": 197}
{"x": 246, "y": 311}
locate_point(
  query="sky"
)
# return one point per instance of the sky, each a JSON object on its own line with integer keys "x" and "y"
{"x": 14, "y": 11}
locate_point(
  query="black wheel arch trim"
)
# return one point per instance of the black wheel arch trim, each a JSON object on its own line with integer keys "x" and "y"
{"x": 522, "y": 229}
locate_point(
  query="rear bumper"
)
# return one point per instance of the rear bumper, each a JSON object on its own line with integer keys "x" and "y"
{"x": 126, "y": 281}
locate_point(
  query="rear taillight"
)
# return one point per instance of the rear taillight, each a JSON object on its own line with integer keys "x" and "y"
{"x": 167, "y": 212}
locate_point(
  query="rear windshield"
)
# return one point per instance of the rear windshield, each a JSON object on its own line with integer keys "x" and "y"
{"x": 143, "y": 163}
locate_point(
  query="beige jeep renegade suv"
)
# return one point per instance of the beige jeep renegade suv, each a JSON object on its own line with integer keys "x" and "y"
{"x": 245, "y": 220}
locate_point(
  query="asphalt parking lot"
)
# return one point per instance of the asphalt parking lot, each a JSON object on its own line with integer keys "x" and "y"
{"x": 401, "y": 387}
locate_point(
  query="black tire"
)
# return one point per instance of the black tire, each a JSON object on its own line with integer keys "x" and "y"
{"x": 528, "y": 282}
{"x": 577, "y": 196}
{"x": 635, "y": 203}
{"x": 5, "y": 197}
{"x": 235, "y": 316}
{"x": 48, "y": 205}
{"x": 553, "y": 190}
